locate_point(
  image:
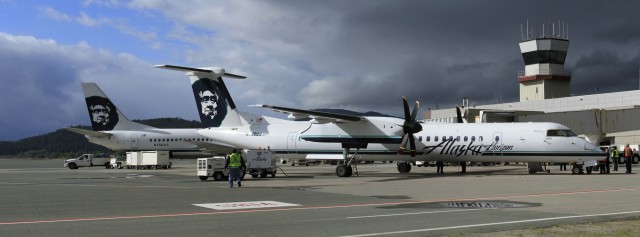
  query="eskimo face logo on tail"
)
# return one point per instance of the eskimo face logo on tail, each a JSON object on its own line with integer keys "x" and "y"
{"x": 102, "y": 112}
{"x": 210, "y": 101}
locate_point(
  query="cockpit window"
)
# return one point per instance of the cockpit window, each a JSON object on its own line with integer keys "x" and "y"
{"x": 560, "y": 133}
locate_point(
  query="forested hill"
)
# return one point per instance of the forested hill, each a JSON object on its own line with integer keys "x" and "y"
{"x": 62, "y": 143}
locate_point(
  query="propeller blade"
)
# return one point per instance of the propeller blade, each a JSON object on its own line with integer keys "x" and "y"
{"x": 416, "y": 107}
{"x": 403, "y": 145}
{"x": 407, "y": 116}
{"x": 412, "y": 144}
{"x": 458, "y": 115}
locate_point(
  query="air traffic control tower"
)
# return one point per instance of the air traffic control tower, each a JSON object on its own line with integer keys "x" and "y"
{"x": 544, "y": 76}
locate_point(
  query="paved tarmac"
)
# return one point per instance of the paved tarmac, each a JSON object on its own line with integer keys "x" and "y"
{"x": 42, "y": 198}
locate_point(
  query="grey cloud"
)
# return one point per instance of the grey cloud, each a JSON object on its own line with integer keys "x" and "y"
{"x": 40, "y": 90}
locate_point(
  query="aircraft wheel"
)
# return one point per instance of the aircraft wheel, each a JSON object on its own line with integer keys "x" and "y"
{"x": 343, "y": 171}
{"x": 404, "y": 167}
{"x": 575, "y": 170}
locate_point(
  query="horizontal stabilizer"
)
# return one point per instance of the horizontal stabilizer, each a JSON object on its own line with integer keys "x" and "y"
{"x": 205, "y": 70}
{"x": 90, "y": 133}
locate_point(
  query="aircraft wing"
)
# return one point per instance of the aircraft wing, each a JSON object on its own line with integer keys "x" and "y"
{"x": 320, "y": 117}
{"x": 90, "y": 133}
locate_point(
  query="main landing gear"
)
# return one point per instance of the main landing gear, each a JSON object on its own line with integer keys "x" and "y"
{"x": 404, "y": 166}
{"x": 345, "y": 169}
{"x": 577, "y": 169}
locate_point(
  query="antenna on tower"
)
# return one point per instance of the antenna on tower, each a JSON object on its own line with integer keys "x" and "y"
{"x": 527, "y": 29}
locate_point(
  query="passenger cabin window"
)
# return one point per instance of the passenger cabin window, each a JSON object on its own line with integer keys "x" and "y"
{"x": 497, "y": 138}
{"x": 428, "y": 138}
{"x": 473, "y": 138}
{"x": 466, "y": 138}
{"x": 480, "y": 138}
{"x": 458, "y": 138}
{"x": 420, "y": 138}
{"x": 560, "y": 133}
{"x": 435, "y": 139}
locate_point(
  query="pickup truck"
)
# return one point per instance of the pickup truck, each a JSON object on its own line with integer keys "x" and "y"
{"x": 88, "y": 160}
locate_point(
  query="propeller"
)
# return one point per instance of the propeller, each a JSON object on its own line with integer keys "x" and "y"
{"x": 409, "y": 127}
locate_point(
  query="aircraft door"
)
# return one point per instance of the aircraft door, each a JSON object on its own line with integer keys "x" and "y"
{"x": 134, "y": 141}
{"x": 291, "y": 142}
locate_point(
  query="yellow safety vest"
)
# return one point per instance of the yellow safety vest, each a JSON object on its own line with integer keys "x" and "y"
{"x": 615, "y": 153}
{"x": 235, "y": 160}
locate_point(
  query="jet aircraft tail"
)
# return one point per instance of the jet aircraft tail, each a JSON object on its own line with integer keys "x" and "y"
{"x": 104, "y": 114}
{"x": 215, "y": 105}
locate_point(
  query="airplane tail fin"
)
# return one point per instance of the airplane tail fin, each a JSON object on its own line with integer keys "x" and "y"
{"x": 104, "y": 114}
{"x": 215, "y": 105}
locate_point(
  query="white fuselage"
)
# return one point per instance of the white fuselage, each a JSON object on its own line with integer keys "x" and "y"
{"x": 482, "y": 142}
{"x": 150, "y": 139}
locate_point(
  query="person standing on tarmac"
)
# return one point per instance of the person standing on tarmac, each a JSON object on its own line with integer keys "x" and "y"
{"x": 615, "y": 156}
{"x": 627, "y": 158}
{"x": 234, "y": 163}
{"x": 440, "y": 167}
{"x": 608, "y": 162}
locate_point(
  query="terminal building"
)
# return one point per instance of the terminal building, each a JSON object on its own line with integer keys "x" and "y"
{"x": 604, "y": 119}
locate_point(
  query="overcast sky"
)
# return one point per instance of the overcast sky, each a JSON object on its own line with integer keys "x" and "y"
{"x": 357, "y": 55}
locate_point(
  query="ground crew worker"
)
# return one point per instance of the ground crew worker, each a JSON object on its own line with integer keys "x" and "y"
{"x": 627, "y": 158}
{"x": 616, "y": 155}
{"x": 440, "y": 167}
{"x": 601, "y": 165}
{"x": 234, "y": 163}
{"x": 608, "y": 163}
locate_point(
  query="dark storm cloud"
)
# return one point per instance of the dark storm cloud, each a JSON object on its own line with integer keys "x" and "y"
{"x": 441, "y": 51}
{"x": 605, "y": 71}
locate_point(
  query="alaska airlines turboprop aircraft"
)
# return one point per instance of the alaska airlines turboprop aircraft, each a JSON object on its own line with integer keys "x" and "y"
{"x": 113, "y": 130}
{"x": 332, "y": 136}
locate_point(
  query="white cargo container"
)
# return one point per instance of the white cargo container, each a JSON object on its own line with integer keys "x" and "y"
{"x": 133, "y": 159}
{"x": 148, "y": 160}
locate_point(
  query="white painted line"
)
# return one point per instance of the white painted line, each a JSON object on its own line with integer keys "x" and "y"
{"x": 490, "y": 224}
{"x": 413, "y": 213}
{"x": 245, "y": 205}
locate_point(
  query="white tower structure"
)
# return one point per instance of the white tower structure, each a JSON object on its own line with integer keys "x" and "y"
{"x": 544, "y": 76}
